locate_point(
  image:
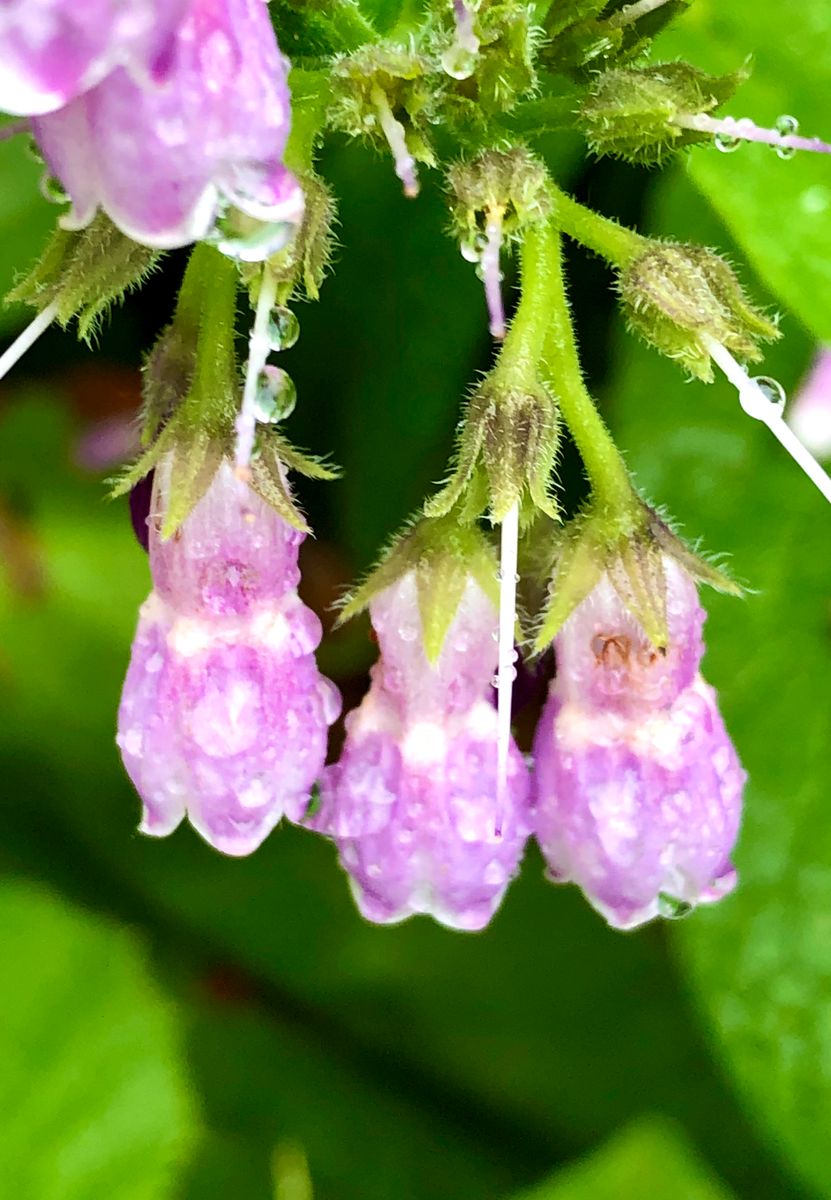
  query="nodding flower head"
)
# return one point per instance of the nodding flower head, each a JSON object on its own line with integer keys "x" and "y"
{"x": 412, "y": 804}
{"x": 224, "y": 714}
{"x": 606, "y": 661}
{"x": 53, "y": 50}
{"x": 638, "y": 787}
{"x": 171, "y": 164}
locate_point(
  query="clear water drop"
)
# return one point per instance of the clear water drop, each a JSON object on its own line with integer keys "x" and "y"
{"x": 247, "y": 239}
{"x": 458, "y": 62}
{"x": 276, "y": 396}
{"x": 672, "y": 908}
{"x": 52, "y": 189}
{"x": 726, "y": 142}
{"x": 772, "y": 390}
{"x": 471, "y": 248}
{"x": 283, "y": 328}
{"x": 786, "y": 125}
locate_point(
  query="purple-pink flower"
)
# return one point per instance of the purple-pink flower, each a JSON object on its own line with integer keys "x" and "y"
{"x": 224, "y": 715}
{"x": 810, "y": 414}
{"x": 53, "y": 50}
{"x": 412, "y": 803}
{"x": 166, "y": 159}
{"x": 638, "y": 786}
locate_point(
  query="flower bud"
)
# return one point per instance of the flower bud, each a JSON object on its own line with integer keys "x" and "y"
{"x": 412, "y": 804}
{"x": 638, "y": 787}
{"x": 54, "y": 50}
{"x": 512, "y": 433}
{"x": 165, "y": 163}
{"x": 675, "y": 294}
{"x": 633, "y": 112}
{"x": 224, "y": 714}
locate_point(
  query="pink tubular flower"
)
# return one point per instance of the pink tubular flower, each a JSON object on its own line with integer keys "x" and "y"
{"x": 810, "y": 414}
{"x": 638, "y": 787}
{"x": 412, "y": 804}
{"x": 53, "y": 50}
{"x": 224, "y": 714}
{"x": 164, "y": 162}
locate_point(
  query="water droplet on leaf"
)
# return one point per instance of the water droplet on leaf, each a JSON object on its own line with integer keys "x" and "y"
{"x": 458, "y": 62}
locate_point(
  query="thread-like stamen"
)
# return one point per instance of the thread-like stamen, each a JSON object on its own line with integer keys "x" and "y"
{"x": 506, "y": 671}
{"x": 259, "y": 347}
{"x": 13, "y": 128}
{"x": 405, "y": 167}
{"x": 756, "y": 404}
{"x": 634, "y": 12}
{"x": 27, "y": 338}
{"x": 465, "y": 37}
{"x": 745, "y": 130}
{"x": 491, "y": 274}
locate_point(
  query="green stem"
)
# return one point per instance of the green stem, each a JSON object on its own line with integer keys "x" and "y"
{"x": 614, "y": 242}
{"x": 207, "y": 309}
{"x": 604, "y": 465}
{"x": 523, "y": 347}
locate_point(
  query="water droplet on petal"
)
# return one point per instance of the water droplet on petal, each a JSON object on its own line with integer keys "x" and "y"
{"x": 52, "y": 189}
{"x": 672, "y": 908}
{"x": 276, "y": 396}
{"x": 283, "y": 328}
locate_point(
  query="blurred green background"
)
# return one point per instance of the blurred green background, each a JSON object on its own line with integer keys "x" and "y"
{"x": 176, "y": 1024}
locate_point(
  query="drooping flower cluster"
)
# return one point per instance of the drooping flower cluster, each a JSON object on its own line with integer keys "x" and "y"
{"x": 638, "y": 787}
{"x": 224, "y": 714}
{"x": 414, "y": 805}
{"x": 165, "y": 116}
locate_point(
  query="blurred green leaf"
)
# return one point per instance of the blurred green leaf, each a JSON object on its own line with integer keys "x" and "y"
{"x": 648, "y": 1161}
{"x": 94, "y": 1105}
{"x": 761, "y": 959}
{"x": 778, "y": 211}
{"x": 25, "y": 221}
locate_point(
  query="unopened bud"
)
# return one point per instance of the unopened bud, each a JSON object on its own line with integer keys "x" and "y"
{"x": 675, "y": 294}
{"x": 633, "y": 113}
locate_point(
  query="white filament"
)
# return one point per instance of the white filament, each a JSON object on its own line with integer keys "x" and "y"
{"x": 27, "y": 338}
{"x": 259, "y": 348}
{"x": 405, "y": 166}
{"x": 634, "y": 12}
{"x": 506, "y": 672}
{"x": 756, "y": 404}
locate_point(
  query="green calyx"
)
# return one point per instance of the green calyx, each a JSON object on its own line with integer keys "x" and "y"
{"x": 83, "y": 273}
{"x": 384, "y": 78}
{"x": 631, "y": 552}
{"x": 511, "y": 184}
{"x": 675, "y": 294}
{"x": 191, "y": 393}
{"x": 507, "y": 442}
{"x": 443, "y": 554}
{"x": 583, "y": 36}
{"x": 637, "y": 113}
{"x": 502, "y": 71}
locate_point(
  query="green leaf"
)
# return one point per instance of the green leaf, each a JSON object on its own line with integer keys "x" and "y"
{"x": 779, "y": 212}
{"x": 651, "y": 1160}
{"x": 25, "y": 221}
{"x": 94, "y": 1104}
{"x": 760, "y": 960}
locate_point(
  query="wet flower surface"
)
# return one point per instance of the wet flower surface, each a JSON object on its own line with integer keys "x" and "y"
{"x": 224, "y": 715}
{"x": 165, "y": 160}
{"x": 638, "y": 787}
{"x": 412, "y": 804}
{"x": 53, "y": 50}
